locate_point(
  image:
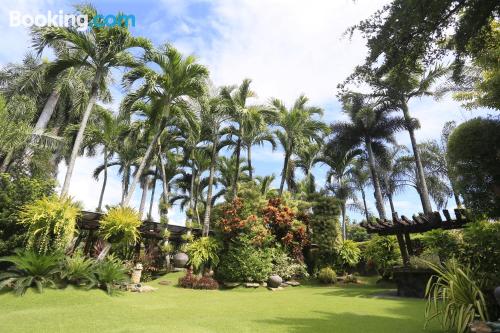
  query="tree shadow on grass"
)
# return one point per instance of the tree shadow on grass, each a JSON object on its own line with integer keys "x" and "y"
{"x": 347, "y": 322}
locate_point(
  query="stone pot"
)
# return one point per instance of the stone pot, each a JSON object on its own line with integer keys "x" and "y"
{"x": 180, "y": 260}
{"x": 274, "y": 281}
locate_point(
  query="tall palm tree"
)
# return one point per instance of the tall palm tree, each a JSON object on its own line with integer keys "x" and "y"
{"x": 307, "y": 157}
{"x": 400, "y": 86}
{"x": 391, "y": 172}
{"x": 236, "y": 100}
{"x": 100, "y": 50}
{"x": 177, "y": 78}
{"x": 369, "y": 127}
{"x": 213, "y": 115}
{"x": 298, "y": 127}
{"x": 361, "y": 179}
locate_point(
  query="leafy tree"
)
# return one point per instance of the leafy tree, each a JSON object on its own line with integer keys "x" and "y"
{"x": 473, "y": 157}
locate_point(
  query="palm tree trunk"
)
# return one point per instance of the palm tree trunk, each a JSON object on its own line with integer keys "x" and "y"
{"x": 237, "y": 173}
{"x": 344, "y": 229}
{"x": 206, "y": 219}
{"x": 379, "y": 201}
{"x": 6, "y": 161}
{"x": 283, "y": 173}
{"x": 42, "y": 122}
{"x": 143, "y": 197}
{"x": 142, "y": 166}
{"x": 152, "y": 196}
{"x": 79, "y": 136}
{"x": 249, "y": 156}
{"x": 105, "y": 180}
{"x": 126, "y": 179}
{"x": 164, "y": 181}
{"x": 422, "y": 184}
{"x": 367, "y": 216}
{"x": 191, "y": 188}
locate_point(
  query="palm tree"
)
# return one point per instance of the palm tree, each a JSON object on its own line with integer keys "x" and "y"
{"x": 178, "y": 78}
{"x": 369, "y": 127}
{"x": 236, "y": 101}
{"x": 297, "y": 128}
{"x": 100, "y": 50}
{"x": 307, "y": 157}
{"x": 400, "y": 86}
{"x": 264, "y": 183}
{"x": 213, "y": 115}
{"x": 391, "y": 173}
{"x": 361, "y": 179}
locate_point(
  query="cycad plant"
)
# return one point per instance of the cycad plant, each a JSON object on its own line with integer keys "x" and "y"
{"x": 454, "y": 296}
{"x": 110, "y": 274}
{"x": 30, "y": 269}
{"x": 79, "y": 270}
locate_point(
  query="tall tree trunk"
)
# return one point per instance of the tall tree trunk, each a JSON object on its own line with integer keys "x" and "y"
{"x": 379, "y": 201}
{"x": 144, "y": 197}
{"x": 150, "y": 213}
{"x": 126, "y": 179}
{"x": 249, "y": 156}
{"x": 391, "y": 203}
{"x": 363, "y": 195}
{"x": 164, "y": 180}
{"x": 206, "y": 219}
{"x": 105, "y": 180}
{"x": 284, "y": 172}
{"x": 6, "y": 161}
{"x": 79, "y": 136}
{"x": 422, "y": 184}
{"x": 344, "y": 229}
{"x": 191, "y": 188}
{"x": 42, "y": 122}
{"x": 144, "y": 161}
{"x": 237, "y": 173}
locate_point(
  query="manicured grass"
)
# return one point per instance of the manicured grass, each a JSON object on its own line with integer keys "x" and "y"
{"x": 172, "y": 309}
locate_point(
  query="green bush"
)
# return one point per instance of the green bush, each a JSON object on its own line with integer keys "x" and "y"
{"x": 119, "y": 225}
{"x": 445, "y": 243}
{"x": 241, "y": 261}
{"x": 348, "y": 253}
{"x": 16, "y": 192}
{"x": 110, "y": 274}
{"x": 286, "y": 267}
{"x": 51, "y": 223}
{"x": 383, "y": 252}
{"x": 203, "y": 252}
{"x": 30, "y": 269}
{"x": 474, "y": 156}
{"x": 79, "y": 270}
{"x": 327, "y": 276}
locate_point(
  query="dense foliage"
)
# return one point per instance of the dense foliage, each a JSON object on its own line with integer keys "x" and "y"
{"x": 327, "y": 276}
{"x": 119, "y": 225}
{"x": 383, "y": 251}
{"x": 474, "y": 156}
{"x": 203, "y": 252}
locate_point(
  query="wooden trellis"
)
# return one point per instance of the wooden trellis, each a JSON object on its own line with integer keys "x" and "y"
{"x": 402, "y": 227}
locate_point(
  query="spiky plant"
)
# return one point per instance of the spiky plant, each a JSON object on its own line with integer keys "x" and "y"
{"x": 120, "y": 225}
{"x": 110, "y": 273}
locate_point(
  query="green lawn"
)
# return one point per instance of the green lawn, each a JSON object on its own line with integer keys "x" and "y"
{"x": 172, "y": 309}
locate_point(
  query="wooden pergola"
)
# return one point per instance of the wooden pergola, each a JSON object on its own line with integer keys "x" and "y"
{"x": 402, "y": 227}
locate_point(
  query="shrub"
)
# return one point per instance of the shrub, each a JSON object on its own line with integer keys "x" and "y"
{"x": 206, "y": 282}
{"x": 473, "y": 156}
{"x": 241, "y": 261}
{"x": 203, "y": 252}
{"x": 110, "y": 273}
{"x": 481, "y": 250}
{"x": 348, "y": 253}
{"x": 51, "y": 223}
{"x": 445, "y": 243}
{"x": 79, "y": 270}
{"x": 286, "y": 267}
{"x": 188, "y": 280}
{"x": 120, "y": 225}
{"x": 454, "y": 297}
{"x": 16, "y": 192}
{"x": 327, "y": 275}
{"x": 30, "y": 269}
{"x": 384, "y": 253}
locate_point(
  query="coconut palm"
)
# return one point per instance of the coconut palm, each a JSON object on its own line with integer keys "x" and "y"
{"x": 98, "y": 49}
{"x": 236, "y": 100}
{"x": 298, "y": 127}
{"x": 370, "y": 128}
{"x": 174, "y": 79}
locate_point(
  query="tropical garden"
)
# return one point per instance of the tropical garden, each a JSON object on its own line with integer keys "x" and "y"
{"x": 280, "y": 252}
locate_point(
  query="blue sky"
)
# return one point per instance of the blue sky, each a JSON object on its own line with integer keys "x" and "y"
{"x": 286, "y": 47}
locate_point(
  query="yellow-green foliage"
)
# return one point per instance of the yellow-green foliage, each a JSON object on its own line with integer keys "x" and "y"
{"x": 51, "y": 223}
{"x": 120, "y": 225}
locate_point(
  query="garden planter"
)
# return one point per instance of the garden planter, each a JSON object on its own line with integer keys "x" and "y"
{"x": 180, "y": 260}
{"x": 274, "y": 281}
{"x": 411, "y": 282}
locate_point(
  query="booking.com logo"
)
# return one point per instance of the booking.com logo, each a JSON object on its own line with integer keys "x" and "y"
{"x": 78, "y": 21}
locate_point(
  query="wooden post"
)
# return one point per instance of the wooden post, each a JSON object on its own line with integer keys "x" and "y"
{"x": 88, "y": 242}
{"x": 409, "y": 246}
{"x": 402, "y": 248}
